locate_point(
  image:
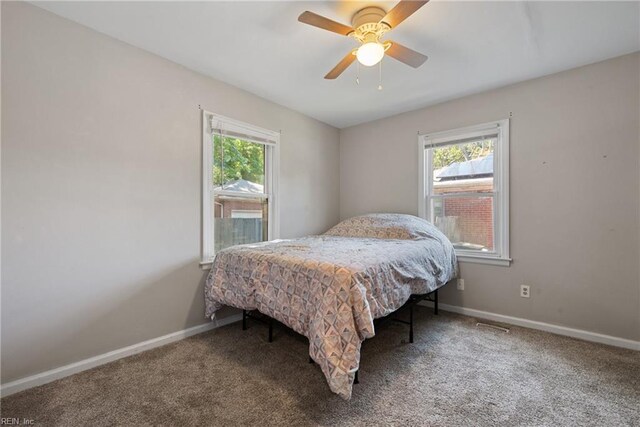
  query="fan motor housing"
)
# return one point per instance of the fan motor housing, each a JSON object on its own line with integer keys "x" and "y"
{"x": 367, "y": 22}
{"x": 367, "y": 15}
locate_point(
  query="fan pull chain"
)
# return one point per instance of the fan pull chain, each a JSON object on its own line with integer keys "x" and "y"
{"x": 358, "y": 73}
{"x": 380, "y": 75}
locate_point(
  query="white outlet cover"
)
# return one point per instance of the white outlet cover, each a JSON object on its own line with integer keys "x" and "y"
{"x": 460, "y": 285}
{"x": 525, "y": 291}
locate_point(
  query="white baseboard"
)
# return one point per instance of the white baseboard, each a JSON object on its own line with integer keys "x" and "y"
{"x": 74, "y": 368}
{"x": 92, "y": 362}
{"x": 541, "y": 326}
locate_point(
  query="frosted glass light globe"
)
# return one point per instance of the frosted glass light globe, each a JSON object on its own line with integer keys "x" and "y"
{"x": 370, "y": 54}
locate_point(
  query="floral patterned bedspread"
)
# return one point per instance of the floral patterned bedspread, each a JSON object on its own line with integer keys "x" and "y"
{"x": 329, "y": 288}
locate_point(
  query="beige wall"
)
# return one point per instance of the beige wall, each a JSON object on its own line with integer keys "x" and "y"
{"x": 574, "y": 193}
{"x": 101, "y": 189}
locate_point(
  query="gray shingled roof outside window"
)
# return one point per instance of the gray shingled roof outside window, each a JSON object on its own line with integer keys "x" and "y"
{"x": 482, "y": 166}
{"x": 243, "y": 186}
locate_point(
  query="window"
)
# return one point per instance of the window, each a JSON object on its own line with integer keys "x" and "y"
{"x": 239, "y": 169}
{"x": 464, "y": 189}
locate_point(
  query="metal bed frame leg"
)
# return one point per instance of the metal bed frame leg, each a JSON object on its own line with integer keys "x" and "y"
{"x": 411, "y": 323}
{"x": 244, "y": 320}
{"x": 435, "y": 302}
{"x": 355, "y": 380}
{"x": 270, "y": 330}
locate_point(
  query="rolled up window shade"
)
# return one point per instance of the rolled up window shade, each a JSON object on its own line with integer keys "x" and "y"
{"x": 232, "y": 129}
{"x": 481, "y": 137}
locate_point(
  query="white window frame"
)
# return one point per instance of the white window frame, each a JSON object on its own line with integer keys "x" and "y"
{"x": 272, "y": 172}
{"x": 426, "y": 142}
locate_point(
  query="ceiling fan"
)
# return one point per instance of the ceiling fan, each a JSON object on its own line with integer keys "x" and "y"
{"x": 368, "y": 27}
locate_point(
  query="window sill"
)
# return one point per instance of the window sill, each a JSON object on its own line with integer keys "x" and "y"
{"x": 205, "y": 265}
{"x": 502, "y": 262}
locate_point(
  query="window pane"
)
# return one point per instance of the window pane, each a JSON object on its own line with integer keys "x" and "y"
{"x": 238, "y": 165}
{"x": 463, "y": 168}
{"x": 466, "y": 221}
{"x": 239, "y": 220}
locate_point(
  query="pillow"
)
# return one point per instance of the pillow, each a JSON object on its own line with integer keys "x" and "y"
{"x": 384, "y": 226}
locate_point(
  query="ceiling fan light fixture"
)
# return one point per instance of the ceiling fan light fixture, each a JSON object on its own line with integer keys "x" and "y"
{"x": 369, "y": 54}
{"x": 368, "y": 26}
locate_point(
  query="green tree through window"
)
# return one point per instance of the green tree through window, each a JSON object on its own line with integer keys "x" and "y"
{"x": 449, "y": 154}
{"x": 237, "y": 159}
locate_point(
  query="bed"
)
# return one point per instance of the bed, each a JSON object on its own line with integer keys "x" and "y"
{"x": 331, "y": 287}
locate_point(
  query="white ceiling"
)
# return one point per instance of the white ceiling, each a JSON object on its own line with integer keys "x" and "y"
{"x": 472, "y": 47}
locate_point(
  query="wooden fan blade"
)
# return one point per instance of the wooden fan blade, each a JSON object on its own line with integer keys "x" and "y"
{"x": 406, "y": 55}
{"x": 324, "y": 23}
{"x": 342, "y": 65}
{"x": 402, "y": 11}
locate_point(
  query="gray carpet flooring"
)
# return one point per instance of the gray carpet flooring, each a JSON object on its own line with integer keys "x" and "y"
{"x": 455, "y": 374}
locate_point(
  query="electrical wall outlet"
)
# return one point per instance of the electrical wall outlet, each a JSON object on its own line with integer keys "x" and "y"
{"x": 460, "y": 284}
{"x": 525, "y": 291}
